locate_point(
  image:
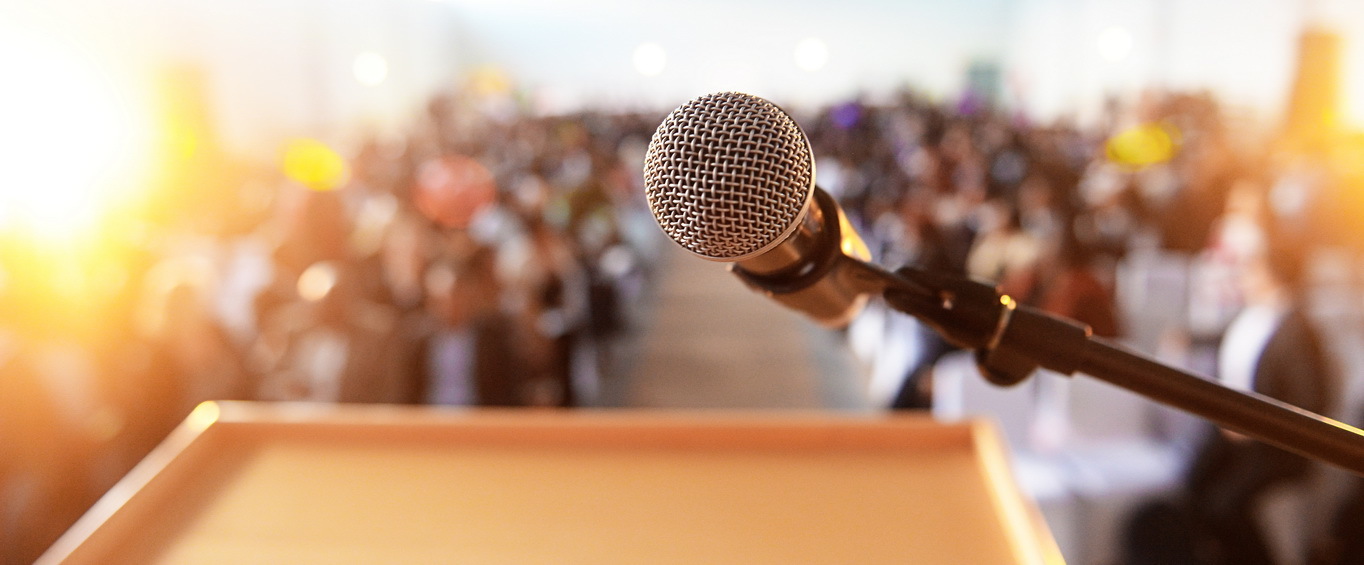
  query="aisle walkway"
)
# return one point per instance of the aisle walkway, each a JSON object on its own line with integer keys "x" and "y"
{"x": 709, "y": 342}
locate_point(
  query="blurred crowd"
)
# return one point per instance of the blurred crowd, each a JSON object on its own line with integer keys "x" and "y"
{"x": 493, "y": 257}
{"x": 1052, "y": 213}
{"x": 484, "y": 258}
{"x": 1063, "y": 218}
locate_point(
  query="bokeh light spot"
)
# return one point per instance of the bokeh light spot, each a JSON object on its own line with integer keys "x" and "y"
{"x": 370, "y": 68}
{"x": 317, "y": 281}
{"x": 311, "y": 163}
{"x": 812, "y": 54}
{"x": 1141, "y": 146}
{"x": 1114, "y": 44}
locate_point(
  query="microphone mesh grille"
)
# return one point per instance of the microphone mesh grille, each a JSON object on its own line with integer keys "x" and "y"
{"x": 728, "y": 174}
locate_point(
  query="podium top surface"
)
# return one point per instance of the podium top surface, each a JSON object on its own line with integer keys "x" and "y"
{"x": 261, "y": 483}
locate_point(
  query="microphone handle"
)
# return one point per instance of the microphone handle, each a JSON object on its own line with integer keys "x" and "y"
{"x": 1286, "y": 426}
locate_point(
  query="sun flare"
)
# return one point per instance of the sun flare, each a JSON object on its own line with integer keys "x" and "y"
{"x": 72, "y": 140}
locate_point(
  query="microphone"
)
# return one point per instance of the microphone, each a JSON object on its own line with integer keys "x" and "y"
{"x": 731, "y": 177}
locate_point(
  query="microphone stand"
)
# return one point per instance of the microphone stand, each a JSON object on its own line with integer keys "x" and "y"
{"x": 1011, "y": 341}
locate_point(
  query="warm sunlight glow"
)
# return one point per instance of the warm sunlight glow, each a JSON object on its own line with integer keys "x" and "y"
{"x": 71, "y": 144}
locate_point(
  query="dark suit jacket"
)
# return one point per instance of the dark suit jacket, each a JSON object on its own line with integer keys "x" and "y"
{"x": 1295, "y": 368}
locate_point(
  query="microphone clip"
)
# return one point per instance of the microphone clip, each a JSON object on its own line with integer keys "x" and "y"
{"x": 1010, "y": 340}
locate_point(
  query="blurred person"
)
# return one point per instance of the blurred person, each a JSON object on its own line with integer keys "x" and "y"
{"x": 1207, "y": 168}
{"x": 445, "y": 364}
{"x": 970, "y": 169}
{"x": 1301, "y": 191}
{"x": 921, "y": 244}
{"x": 1058, "y": 156}
{"x": 246, "y": 270}
{"x": 548, "y": 287}
{"x": 332, "y": 344}
{"x": 197, "y": 358}
{"x": 1003, "y": 252}
{"x": 1238, "y": 234}
{"x": 476, "y": 353}
{"x": 301, "y": 357}
{"x": 1271, "y": 348}
{"x": 932, "y": 166}
{"x": 1009, "y": 164}
{"x": 1108, "y": 219}
{"x": 1070, "y": 288}
{"x": 1342, "y": 540}
{"x": 310, "y": 226}
{"x": 1038, "y": 213}
{"x": 606, "y": 262}
{"x": 55, "y": 426}
{"x": 558, "y": 294}
{"x": 406, "y": 249}
{"x": 310, "y": 230}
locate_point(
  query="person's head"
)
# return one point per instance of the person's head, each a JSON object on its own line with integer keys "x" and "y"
{"x": 997, "y": 215}
{"x": 1277, "y": 270}
{"x": 464, "y": 290}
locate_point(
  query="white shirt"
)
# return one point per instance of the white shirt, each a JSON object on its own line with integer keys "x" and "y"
{"x": 1245, "y": 341}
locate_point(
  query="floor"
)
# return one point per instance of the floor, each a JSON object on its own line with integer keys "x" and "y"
{"x": 710, "y": 342}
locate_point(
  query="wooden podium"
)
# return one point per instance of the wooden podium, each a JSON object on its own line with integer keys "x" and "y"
{"x": 266, "y": 483}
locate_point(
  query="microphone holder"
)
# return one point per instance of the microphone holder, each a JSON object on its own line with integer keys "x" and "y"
{"x": 1011, "y": 341}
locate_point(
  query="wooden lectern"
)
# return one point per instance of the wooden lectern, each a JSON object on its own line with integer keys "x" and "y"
{"x": 267, "y": 483}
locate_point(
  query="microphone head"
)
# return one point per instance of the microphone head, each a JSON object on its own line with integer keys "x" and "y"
{"x": 728, "y": 175}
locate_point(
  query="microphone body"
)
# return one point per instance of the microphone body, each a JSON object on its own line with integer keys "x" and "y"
{"x": 810, "y": 271}
{"x": 730, "y": 177}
